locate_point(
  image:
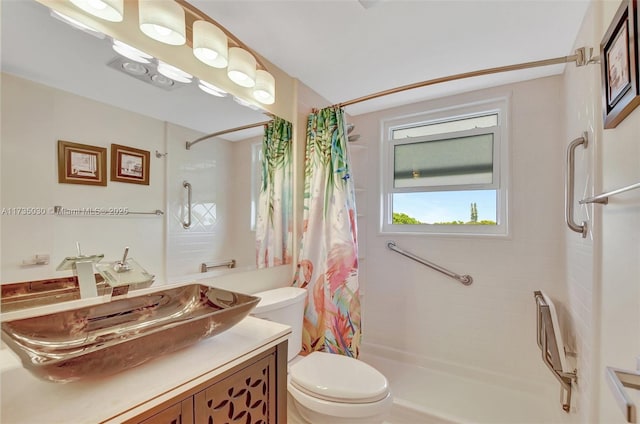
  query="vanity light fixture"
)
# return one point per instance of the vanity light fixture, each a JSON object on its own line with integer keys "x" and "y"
{"x": 265, "y": 88}
{"x": 210, "y": 44}
{"x": 130, "y": 52}
{"x": 174, "y": 73}
{"x": 109, "y": 10}
{"x": 168, "y": 21}
{"x": 162, "y": 20}
{"x": 242, "y": 67}
{"x": 209, "y": 88}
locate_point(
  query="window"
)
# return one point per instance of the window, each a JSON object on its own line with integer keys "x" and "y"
{"x": 445, "y": 172}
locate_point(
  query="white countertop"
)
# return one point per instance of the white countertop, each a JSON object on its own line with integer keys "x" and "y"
{"x": 26, "y": 399}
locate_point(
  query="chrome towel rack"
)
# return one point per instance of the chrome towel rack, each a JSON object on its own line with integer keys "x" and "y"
{"x": 206, "y": 266}
{"x": 604, "y": 197}
{"x": 156, "y": 212}
{"x": 619, "y": 379}
{"x": 464, "y": 279}
{"x": 569, "y": 185}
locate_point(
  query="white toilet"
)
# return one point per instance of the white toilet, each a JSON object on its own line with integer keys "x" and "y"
{"x": 325, "y": 388}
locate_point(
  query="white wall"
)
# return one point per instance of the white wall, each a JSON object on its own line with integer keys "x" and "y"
{"x": 432, "y": 320}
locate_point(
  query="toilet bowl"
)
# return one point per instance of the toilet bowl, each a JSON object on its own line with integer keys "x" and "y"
{"x": 324, "y": 387}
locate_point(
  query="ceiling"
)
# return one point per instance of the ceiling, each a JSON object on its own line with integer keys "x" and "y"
{"x": 345, "y": 49}
{"x": 342, "y": 49}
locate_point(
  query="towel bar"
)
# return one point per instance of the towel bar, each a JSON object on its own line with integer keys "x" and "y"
{"x": 206, "y": 266}
{"x": 619, "y": 379}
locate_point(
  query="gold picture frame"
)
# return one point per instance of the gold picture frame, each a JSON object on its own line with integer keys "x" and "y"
{"x": 619, "y": 65}
{"x": 129, "y": 165}
{"x": 81, "y": 164}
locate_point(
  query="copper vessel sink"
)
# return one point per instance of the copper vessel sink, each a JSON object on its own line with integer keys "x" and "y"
{"x": 30, "y": 294}
{"x": 110, "y": 337}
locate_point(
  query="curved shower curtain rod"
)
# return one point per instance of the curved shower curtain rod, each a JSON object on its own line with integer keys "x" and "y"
{"x": 579, "y": 58}
{"x": 230, "y": 130}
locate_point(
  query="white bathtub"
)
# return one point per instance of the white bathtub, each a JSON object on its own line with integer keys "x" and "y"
{"x": 445, "y": 394}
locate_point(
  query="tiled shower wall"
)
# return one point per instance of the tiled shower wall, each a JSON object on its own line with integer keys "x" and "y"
{"x": 219, "y": 172}
{"x": 417, "y": 315}
{"x": 582, "y": 113}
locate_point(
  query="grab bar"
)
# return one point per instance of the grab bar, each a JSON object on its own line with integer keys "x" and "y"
{"x": 604, "y": 197}
{"x": 569, "y": 188}
{"x": 204, "y": 267}
{"x": 619, "y": 379}
{"x": 464, "y": 279}
{"x": 187, "y": 223}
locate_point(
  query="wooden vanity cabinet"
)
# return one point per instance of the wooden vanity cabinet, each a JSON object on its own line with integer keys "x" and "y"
{"x": 254, "y": 392}
{"x": 178, "y": 413}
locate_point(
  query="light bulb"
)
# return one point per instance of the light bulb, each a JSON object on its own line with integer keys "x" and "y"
{"x": 210, "y": 44}
{"x": 162, "y": 20}
{"x": 264, "y": 90}
{"x": 242, "y": 67}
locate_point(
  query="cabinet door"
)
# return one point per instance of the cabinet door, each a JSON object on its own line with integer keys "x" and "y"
{"x": 179, "y": 413}
{"x": 247, "y": 396}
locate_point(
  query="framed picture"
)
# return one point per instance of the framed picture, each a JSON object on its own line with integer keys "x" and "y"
{"x": 81, "y": 164}
{"x": 619, "y": 61}
{"x": 129, "y": 165}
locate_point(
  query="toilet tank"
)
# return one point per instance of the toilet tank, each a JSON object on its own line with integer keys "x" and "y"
{"x": 284, "y": 305}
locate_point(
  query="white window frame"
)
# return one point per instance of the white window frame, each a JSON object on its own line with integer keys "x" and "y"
{"x": 500, "y": 164}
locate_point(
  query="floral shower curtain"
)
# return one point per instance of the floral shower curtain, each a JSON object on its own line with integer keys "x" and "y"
{"x": 274, "y": 228}
{"x": 328, "y": 262}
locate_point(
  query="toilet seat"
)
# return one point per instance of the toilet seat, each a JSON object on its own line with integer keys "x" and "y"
{"x": 338, "y": 378}
{"x": 331, "y": 409}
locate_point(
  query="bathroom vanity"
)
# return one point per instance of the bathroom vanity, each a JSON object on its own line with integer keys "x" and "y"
{"x": 239, "y": 375}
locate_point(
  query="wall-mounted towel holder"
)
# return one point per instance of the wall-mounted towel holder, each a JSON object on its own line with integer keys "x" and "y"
{"x": 550, "y": 342}
{"x": 619, "y": 379}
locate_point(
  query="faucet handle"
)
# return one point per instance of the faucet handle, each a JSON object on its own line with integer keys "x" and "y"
{"x": 126, "y": 252}
{"x": 122, "y": 266}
